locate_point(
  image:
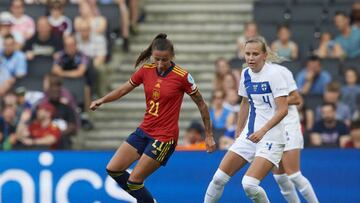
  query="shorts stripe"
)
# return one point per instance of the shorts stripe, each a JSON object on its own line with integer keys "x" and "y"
{"x": 165, "y": 151}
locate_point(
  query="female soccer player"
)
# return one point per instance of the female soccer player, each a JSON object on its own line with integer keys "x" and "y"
{"x": 261, "y": 138}
{"x": 289, "y": 174}
{"x": 155, "y": 139}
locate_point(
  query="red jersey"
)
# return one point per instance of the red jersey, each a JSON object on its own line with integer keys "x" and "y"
{"x": 36, "y": 131}
{"x": 164, "y": 96}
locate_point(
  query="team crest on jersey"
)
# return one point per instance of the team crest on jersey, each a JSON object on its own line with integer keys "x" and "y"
{"x": 155, "y": 95}
{"x": 263, "y": 87}
{"x": 255, "y": 87}
{"x": 190, "y": 79}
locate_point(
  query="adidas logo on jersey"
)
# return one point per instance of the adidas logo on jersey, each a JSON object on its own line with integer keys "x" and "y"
{"x": 154, "y": 151}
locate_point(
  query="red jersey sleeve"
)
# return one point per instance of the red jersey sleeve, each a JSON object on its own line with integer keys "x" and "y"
{"x": 189, "y": 84}
{"x": 137, "y": 78}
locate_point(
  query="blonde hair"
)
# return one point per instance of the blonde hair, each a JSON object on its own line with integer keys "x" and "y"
{"x": 272, "y": 56}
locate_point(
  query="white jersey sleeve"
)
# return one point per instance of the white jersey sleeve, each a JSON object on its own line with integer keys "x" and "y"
{"x": 278, "y": 85}
{"x": 291, "y": 83}
{"x": 242, "y": 91}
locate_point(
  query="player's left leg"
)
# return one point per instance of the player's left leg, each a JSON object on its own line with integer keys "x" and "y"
{"x": 145, "y": 167}
{"x": 291, "y": 162}
{"x": 287, "y": 188}
{"x": 156, "y": 153}
{"x": 258, "y": 169}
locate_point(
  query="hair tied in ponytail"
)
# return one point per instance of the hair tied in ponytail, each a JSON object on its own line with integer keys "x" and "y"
{"x": 161, "y": 36}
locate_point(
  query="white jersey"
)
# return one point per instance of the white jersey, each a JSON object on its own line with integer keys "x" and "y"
{"x": 261, "y": 89}
{"x": 292, "y": 120}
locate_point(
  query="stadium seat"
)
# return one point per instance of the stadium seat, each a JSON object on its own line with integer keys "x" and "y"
{"x": 268, "y": 31}
{"x": 35, "y": 11}
{"x": 306, "y": 13}
{"x": 76, "y": 87}
{"x": 332, "y": 66}
{"x": 269, "y": 13}
{"x": 351, "y": 63}
{"x": 111, "y": 13}
{"x": 71, "y": 11}
{"x": 313, "y": 100}
{"x": 37, "y": 69}
{"x": 293, "y": 66}
{"x": 30, "y": 83}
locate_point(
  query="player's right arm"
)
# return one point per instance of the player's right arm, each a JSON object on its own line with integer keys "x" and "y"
{"x": 242, "y": 116}
{"x": 113, "y": 95}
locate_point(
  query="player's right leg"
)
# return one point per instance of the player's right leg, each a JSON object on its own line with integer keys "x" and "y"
{"x": 122, "y": 159}
{"x": 287, "y": 188}
{"x": 291, "y": 162}
{"x": 230, "y": 164}
{"x": 240, "y": 153}
{"x": 127, "y": 153}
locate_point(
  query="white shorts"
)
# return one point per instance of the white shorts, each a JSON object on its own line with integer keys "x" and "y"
{"x": 271, "y": 151}
{"x": 294, "y": 138}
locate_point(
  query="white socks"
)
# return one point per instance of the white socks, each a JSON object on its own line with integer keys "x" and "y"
{"x": 216, "y": 187}
{"x": 304, "y": 187}
{"x": 287, "y": 188}
{"x": 253, "y": 190}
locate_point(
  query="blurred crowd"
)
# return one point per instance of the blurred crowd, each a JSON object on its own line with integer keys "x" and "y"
{"x": 330, "y": 112}
{"x": 45, "y": 112}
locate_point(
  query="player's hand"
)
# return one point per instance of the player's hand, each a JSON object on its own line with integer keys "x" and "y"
{"x": 257, "y": 136}
{"x": 96, "y": 104}
{"x": 210, "y": 144}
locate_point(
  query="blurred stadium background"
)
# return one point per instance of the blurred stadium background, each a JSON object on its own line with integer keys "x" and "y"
{"x": 207, "y": 35}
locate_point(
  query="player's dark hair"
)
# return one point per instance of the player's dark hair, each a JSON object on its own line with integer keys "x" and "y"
{"x": 160, "y": 43}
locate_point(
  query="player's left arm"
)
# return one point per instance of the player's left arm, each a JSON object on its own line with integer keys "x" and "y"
{"x": 199, "y": 101}
{"x": 281, "y": 112}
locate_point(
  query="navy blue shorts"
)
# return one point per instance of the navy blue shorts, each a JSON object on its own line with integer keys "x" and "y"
{"x": 157, "y": 150}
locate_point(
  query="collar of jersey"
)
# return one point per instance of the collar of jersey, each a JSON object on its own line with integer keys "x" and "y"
{"x": 167, "y": 71}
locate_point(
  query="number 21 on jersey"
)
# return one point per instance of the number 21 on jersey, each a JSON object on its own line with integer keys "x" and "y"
{"x": 154, "y": 108}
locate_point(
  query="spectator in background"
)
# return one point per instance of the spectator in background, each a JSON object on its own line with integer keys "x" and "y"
{"x": 72, "y": 63}
{"x": 349, "y": 39}
{"x": 332, "y": 96}
{"x": 221, "y": 118}
{"x": 7, "y": 128}
{"x": 88, "y": 15}
{"x": 11, "y": 59}
{"x": 42, "y": 132}
{"x": 354, "y": 141}
{"x": 328, "y": 48}
{"x": 250, "y": 31}
{"x": 124, "y": 24}
{"x": 221, "y": 69}
{"x": 43, "y": 43}
{"x": 94, "y": 46}
{"x": 64, "y": 117}
{"x": 229, "y": 82}
{"x": 5, "y": 29}
{"x": 355, "y": 15}
{"x": 351, "y": 90}
{"x": 283, "y": 46}
{"x": 329, "y": 132}
{"x": 61, "y": 25}
{"x": 312, "y": 79}
{"x": 193, "y": 138}
{"x": 306, "y": 118}
{"x": 6, "y": 81}
{"x": 22, "y": 23}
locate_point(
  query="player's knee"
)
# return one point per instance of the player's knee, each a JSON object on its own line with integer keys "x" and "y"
{"x": 250, "y": 185}
{"x": 220, "y": 178}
